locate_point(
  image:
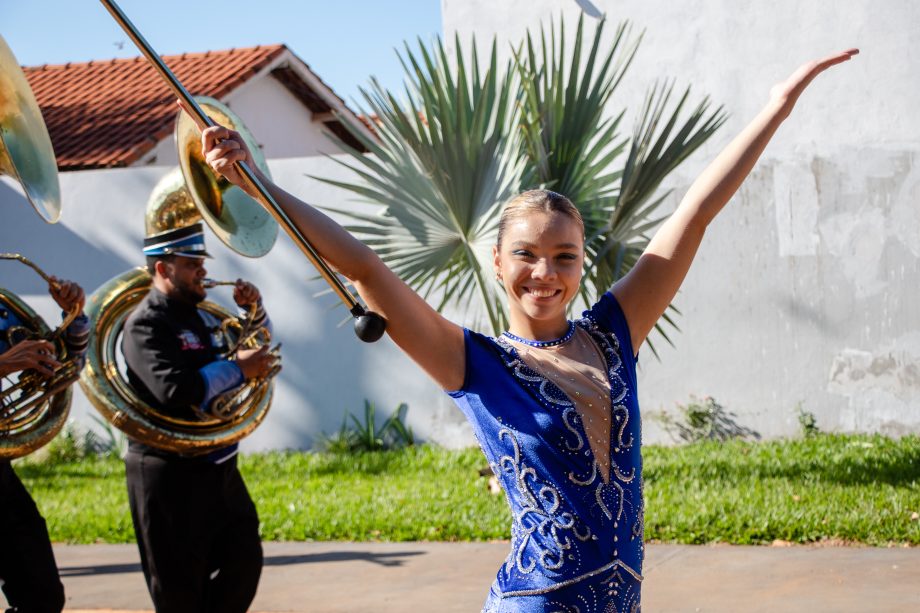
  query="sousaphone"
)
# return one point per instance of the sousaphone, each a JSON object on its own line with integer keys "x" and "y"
{"x": 183, "y": 197}
{"x": 33, "y": 408}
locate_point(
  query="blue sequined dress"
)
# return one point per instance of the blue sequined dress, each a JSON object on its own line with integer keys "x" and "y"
{"x": 576, "y": 539}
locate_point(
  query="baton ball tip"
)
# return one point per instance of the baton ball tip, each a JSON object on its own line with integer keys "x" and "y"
{"x": 370, "y": 326}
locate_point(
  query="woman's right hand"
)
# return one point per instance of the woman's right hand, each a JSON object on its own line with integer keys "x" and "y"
{"x": 222, "y": 149}
{"x": 35, "y": 355}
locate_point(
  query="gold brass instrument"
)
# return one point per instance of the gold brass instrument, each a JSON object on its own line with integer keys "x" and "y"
{"x": 33, "y": 408}
{"x": 26, "y": 153}
{"x": 182, "y": 198}
{"x": 369, "y": 326}
{"x": 243, "y": 336}
{"x": 109, "y": 391}
{"x": 246, "y": 331}
{"x": 192, "y": 192}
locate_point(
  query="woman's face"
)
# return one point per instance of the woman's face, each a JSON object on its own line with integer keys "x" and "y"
{"x": 540, "y": 263}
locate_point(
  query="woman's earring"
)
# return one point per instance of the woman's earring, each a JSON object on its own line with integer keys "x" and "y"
{"x": 498, "y": 275}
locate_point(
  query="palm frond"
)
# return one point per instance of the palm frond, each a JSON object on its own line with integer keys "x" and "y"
{"x": 447, "y": 160}
{"x": 655, "y": 150}
{"x": 569, "y": 142}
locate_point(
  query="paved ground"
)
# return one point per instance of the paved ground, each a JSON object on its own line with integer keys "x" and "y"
{"x": 445, "y": 577}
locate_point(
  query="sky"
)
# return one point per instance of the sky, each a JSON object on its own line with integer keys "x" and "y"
{"x": 344, "y": 42}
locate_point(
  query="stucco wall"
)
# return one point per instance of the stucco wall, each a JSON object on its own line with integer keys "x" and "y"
{"x": 806, "y": 291}
{"x": 260, "y": 103}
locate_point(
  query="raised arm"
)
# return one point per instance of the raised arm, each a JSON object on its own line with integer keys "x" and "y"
{"x": 432, "y": 341}
{"x": 645, "y": 292}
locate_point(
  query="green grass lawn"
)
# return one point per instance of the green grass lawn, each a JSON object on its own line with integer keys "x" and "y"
{"x": 854, "y": 488}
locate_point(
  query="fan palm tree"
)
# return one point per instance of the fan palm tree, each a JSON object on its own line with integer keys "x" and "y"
{"x": 448, "y": 157}
{"x": 463, "y": 140}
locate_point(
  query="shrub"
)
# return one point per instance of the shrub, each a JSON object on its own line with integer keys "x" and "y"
{"x": 705, "y": 420}
{"x": 356, "y": 435}
{"x": 808, "y": 422}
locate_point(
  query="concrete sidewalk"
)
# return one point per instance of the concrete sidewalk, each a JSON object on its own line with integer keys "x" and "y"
{"x": 334, "y": 577}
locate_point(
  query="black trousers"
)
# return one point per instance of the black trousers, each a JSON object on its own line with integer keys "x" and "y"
{"x": 30, "y": 576}
{"x": 198, "y": 533}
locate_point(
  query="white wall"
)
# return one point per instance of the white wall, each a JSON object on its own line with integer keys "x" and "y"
{"x": 262, "y": 102}
{"x": 807, "y": 288}
{"x": 327, "y": 370}
{"x": 280, "y": 122}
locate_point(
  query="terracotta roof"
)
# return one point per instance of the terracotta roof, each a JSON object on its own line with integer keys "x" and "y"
{"x": 108, "y": 114}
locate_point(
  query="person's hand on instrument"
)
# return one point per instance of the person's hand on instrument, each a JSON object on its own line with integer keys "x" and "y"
{"x": 245, "y": 294}
{"x": 67, "y": 294}
{"x": 786, "y": 93}
{"x": 30, "y": 354}
{"x": 255, "y": 362}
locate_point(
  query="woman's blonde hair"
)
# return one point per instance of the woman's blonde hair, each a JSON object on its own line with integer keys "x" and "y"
{"x": 542, "y": 200}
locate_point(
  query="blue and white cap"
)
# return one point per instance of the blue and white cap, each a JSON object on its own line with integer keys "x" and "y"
{"x": 187, "y": 242}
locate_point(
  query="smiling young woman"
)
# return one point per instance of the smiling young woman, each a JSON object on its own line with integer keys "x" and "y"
{"x": 553, "y": 403}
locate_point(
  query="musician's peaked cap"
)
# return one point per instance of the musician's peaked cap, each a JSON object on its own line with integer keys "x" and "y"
{"x": 187, "y": 242}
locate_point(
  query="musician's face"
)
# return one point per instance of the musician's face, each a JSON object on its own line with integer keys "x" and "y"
{"x": 185, "y": 276}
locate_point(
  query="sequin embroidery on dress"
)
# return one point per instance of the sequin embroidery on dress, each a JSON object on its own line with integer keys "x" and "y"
{"x": 551, "y": 519}
{"x": 576, "y": 530}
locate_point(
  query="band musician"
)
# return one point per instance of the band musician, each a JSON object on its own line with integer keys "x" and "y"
{"x": 196, "y": 526}
{"x": 27, "y": 567}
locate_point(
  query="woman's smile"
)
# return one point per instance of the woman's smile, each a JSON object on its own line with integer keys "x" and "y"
{"x": 542, "y": 292}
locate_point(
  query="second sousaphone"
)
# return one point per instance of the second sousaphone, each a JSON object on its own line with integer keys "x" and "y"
{"x": 33, "y": 409}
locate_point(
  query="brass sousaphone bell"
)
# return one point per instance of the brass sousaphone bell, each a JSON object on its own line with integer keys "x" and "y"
{"x": 184, "y": 196}
{"x": 33, "y": 408}
{"x": 26, "y": 153}
{"x": 193, "y": 192}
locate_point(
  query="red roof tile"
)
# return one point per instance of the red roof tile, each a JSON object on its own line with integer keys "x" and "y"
{"x": 109, "y": 114}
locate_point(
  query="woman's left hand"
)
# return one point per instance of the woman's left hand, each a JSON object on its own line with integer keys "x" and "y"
{"x": 785, "y": 93}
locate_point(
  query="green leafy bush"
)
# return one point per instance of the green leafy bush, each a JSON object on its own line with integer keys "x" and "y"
{"x": 705, "y": 420}
{"x": 808, "y": 422}
{"x": 356, "y": 435}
